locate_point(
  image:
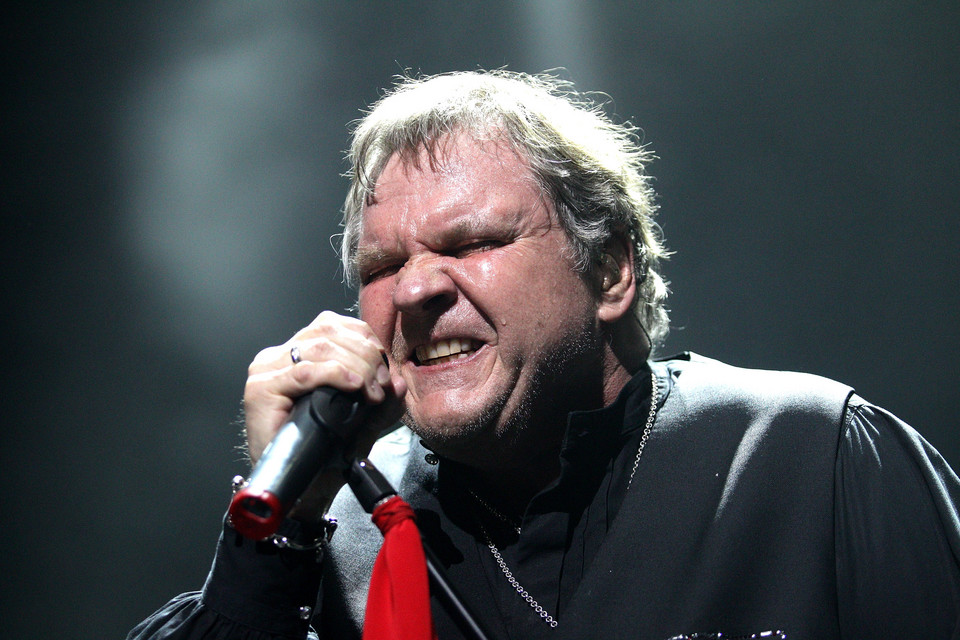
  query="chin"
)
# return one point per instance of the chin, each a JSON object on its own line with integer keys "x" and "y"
{"x": 465, "y": 433}
{"x": 446, "y": 428}
{"x": 453, "y": 434}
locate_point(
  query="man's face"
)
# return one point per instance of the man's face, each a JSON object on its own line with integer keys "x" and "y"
{"x": 467, "y": 275}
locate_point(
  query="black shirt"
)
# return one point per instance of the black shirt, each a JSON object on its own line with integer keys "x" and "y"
{"x": 763, "y": 500}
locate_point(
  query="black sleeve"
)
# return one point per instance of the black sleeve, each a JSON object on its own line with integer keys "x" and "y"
{"x": 897, "y": 531}
{"x": 254, "y": 591}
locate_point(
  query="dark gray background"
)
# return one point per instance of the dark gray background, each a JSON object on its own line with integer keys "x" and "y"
{"x": 171, "y": 184}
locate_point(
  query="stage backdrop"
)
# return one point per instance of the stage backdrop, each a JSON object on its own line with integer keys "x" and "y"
{"x": 172, "y": 182}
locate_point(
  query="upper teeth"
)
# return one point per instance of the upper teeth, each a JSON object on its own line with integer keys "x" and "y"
{"x": 443, "y": 348}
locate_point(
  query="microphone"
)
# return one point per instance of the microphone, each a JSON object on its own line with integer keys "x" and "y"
{"x": 318, "y": 433}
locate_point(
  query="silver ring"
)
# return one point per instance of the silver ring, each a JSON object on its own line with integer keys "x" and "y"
{"x": 295, "y": 354}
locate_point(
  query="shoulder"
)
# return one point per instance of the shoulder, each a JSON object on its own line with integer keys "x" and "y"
{"x": 897, "y": 529}
{"x": 702, "y": 384}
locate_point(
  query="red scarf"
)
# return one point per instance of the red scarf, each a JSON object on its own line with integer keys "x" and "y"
{"x": 398, "y": 605}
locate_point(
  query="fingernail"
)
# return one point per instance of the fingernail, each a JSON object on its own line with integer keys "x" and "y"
{"x": 383, "y": 374}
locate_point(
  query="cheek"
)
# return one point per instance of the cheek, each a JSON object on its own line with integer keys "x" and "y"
{"x": 531, "y": 290}
{"x": 484, "y": 270}
{"x": 514, "y": 268}
{"x": 376, "y": 309}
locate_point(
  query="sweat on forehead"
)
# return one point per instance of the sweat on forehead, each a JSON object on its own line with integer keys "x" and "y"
{"x": 479, "y": 187}
{"x": 443, "y": 156}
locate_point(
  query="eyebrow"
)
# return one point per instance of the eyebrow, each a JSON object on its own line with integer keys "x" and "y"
{"x": 365, "y": 256}
{"x": 462, "y": 227}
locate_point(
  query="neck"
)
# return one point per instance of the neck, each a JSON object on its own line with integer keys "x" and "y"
{"x": 509, "y": 490}
{"x": 523, "y": 459}
{"x": 507, "y": 467}
{"x": 519, "y": 467}
{"x": 626, "y": 350}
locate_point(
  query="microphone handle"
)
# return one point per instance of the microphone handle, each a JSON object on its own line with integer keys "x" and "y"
{"x": 315, "y": 438}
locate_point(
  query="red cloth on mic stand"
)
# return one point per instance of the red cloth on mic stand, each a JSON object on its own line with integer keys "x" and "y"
{"x": 398, "y": 604}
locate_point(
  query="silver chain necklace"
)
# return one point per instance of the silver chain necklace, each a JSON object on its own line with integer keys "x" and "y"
{"x": 511, "y": 523}
{"x": 523, "y": 593}
{"x": 546, "y": 617}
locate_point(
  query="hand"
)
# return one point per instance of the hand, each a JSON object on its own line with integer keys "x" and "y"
{"x": 336, "y": 351}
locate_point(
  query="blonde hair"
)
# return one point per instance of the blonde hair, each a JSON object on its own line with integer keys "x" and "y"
{"x": 592, "y": 169}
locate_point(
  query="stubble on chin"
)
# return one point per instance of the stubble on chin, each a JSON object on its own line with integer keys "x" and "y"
{"x": 465, "y": 438}
{"x": 500, "y": 427}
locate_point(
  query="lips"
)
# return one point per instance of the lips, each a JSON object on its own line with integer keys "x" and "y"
{"x": 443, "y": 351}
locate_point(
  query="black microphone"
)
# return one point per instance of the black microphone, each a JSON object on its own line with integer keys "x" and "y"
{"x": 321, "y": 427}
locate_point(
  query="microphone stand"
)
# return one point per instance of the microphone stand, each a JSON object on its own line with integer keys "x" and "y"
{"x": 370, "y": 488}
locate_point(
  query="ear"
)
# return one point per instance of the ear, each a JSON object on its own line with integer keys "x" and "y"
{"x": 617, "y": 281}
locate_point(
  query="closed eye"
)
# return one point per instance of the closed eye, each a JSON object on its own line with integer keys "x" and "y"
{"x": 477, "y": 246}
{"x": 377, "y": 273}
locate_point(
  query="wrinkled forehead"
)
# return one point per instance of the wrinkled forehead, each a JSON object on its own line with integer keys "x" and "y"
{"x": 444, "y": 154}
{"x": 459, "y": 166}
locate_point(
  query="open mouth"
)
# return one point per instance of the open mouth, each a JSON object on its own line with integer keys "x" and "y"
{"x": 443, "y": 351}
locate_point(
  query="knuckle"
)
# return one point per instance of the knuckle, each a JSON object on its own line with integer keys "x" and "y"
{"x": 302, "y": 373}
{"x": 340, "y": 371}
{"x": 326, "y": 321}
{"x": 319, "y": 348}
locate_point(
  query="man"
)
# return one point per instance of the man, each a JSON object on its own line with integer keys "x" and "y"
{"x": 500, "y": 232}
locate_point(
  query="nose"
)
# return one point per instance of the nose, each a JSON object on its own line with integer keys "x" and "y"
{"x": 423, "y": 286}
